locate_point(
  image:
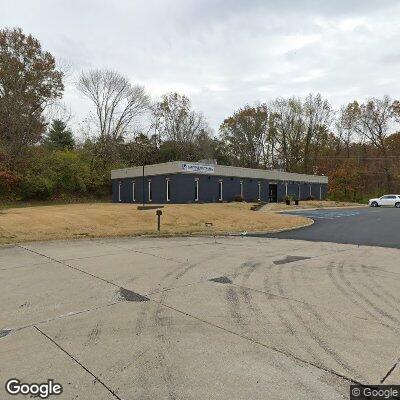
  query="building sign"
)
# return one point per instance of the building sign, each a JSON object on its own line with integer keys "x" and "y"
{"x": 198, "y": 168}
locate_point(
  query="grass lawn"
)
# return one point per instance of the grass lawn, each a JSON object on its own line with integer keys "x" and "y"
{"x": 107, "y": 219}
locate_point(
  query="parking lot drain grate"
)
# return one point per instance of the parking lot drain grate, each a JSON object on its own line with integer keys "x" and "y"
{"x": 4, "y": 332}
{"x": 221, "y": 279}
{"x": 128, "y": 295}
{"x": 290, "y": 259}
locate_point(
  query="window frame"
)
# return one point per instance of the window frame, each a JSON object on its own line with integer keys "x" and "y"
{"x": 220, "y": 190}
{"x": 133, "y": 191}
{"x": 119, "y": 191}
{"x": 149, "y": 191}
{"x": 259, "y": 190}
{"x": 168, "y": 189}
{"x": 196, "y": 189}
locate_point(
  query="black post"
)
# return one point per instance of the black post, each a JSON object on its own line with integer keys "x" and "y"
{"x": 158, "y": 213}
{"x": 143, "y": 186}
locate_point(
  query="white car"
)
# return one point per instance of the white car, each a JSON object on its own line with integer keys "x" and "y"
{"x": 391, "y": 200}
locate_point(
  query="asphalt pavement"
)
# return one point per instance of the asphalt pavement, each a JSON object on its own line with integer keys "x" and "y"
{"x": 361, "y": 226}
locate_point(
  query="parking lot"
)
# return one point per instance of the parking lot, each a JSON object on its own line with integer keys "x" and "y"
{"x": 361, "y": 226}
{"x": 190, "y": 318}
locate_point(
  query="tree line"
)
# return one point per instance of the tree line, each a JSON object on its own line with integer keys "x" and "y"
{"x": 357, "y": 145}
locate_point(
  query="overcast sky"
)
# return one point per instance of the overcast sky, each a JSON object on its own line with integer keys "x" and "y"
{"x": 223, "y": 54}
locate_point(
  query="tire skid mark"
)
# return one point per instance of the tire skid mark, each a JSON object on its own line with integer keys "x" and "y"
{"x": 185, "y": 270}
{"x": 379, "y": 296}
{"x": 383, "y": 293}
{"x": 347, "y": 295}
{"x": 94, "y": 334}
{"x": 371, "y": 304}
{"x": 289, "y": 326}
{"x": 256, "y": 311}
{"x": 320, "y": 341}
{"x": 160, "y": 323}
{"x": 313, "y": 309}
{"x": 232, "y": 299}
{"x": 143, "y": 378}
{"x": 355, "y": 301}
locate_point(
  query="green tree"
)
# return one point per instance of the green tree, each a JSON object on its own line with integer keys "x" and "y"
{"x": 59, "y": 136}
{"x": 29, "y": 81}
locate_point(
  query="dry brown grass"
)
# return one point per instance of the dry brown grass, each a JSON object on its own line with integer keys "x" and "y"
{"x": 103, "y": 220}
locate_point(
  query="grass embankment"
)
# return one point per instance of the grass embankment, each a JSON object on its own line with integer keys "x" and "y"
{"x": 105, "y": 220}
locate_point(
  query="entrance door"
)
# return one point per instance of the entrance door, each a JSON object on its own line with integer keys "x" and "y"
{"x": 273, "y": 192}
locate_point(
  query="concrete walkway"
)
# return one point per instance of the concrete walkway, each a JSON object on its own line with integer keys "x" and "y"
{"x": 190, "y": 318}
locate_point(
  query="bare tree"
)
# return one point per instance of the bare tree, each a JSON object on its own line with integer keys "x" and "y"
{"x": 245, "y": 134}
{"x": 344, "y": 127}
{"x": 175, "y": 121}
{"x": 287, "y": 129}
{"x": 118, "y": 103}
{"x": 317, "y": 116}
{"x": 373, "y": 121}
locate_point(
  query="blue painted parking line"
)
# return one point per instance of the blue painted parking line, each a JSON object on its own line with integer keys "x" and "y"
{"x": 325, "y": 214}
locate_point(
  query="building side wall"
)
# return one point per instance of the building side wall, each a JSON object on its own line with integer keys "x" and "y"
{"x": 182, "y": 189}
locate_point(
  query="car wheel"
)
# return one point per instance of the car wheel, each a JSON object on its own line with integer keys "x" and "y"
{"x": 374, "y": 204}
{"x": 397, "y": 205}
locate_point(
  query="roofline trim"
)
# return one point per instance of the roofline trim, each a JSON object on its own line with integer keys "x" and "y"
{"x": 176, "y": 167}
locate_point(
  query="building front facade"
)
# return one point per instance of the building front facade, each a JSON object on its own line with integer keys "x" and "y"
{"x": 181, "y": 182}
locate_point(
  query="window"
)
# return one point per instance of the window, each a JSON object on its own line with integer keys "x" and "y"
{"x": 259, "y": 191}
{"x": 286, "y": 192}
{"x": 320, "y": 192}
{"x": 310, "y": 191}
{"x": 220, "y": 190}
{"x": 299, "y": 192}
{"x": 119, "y": 191}
{"x": 196, "y": 189}
{"x": 133, "y": 191}
{"x": 241, "y": 189}
{"x": 168, "y": 183}
{"x": 150, "y": 192}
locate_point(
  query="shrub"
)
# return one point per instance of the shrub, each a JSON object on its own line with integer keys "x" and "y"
{"x": 36, "y": 187}
{"x": 238, "y": 197}
{"x": 8, "y": 181}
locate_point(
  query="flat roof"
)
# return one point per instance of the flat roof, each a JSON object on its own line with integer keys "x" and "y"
{"x": 187, "y": 167}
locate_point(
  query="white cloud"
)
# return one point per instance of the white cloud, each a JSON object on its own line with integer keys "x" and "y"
{"x": 223, "y": 54}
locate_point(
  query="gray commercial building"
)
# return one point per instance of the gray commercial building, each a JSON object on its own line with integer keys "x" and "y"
{"x": 183, "y": 182}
